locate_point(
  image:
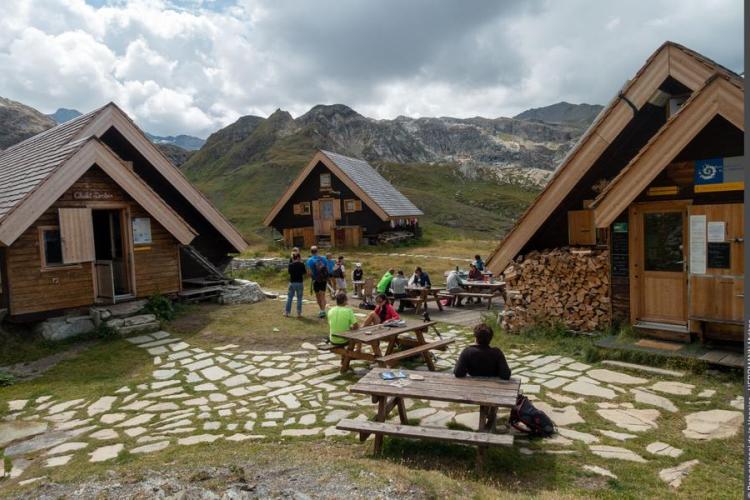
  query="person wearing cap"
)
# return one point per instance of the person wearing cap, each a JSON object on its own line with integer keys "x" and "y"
{"x": 357, "y": 277}
{"x": 481, "y": 360}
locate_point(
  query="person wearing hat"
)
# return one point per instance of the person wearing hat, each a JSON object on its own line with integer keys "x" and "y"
{"x": 357, "y": 278}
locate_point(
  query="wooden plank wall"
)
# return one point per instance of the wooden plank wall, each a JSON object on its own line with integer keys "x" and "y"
{"x": 157, "y": 264}
{"x": 33, "y": 290}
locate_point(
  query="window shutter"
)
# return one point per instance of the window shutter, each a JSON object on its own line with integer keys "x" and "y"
{"x": 297, "y": 209}
{"x": 357, "y": 205}
{"x": 336, "y": 209}
{"x": 77, "y": 235}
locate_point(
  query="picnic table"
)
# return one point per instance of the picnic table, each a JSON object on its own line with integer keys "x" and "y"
{"x": 488, "y": 393}
{"x": 420, "y": 295}
{"x": 479, "y": 289}
{"x": 372, "y": 336}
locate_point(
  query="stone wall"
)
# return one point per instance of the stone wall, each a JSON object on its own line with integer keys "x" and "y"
{"x": 238, "y": 264}
{"x": 241, "y": 292}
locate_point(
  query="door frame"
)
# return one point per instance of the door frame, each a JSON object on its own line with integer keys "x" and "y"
{"x": 636, "y": 257}
{"x": 126, "y": 236}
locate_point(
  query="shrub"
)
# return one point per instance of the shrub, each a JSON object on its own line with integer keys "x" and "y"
{"x": 161, "y": 307}
{"x": 6, "y": 379}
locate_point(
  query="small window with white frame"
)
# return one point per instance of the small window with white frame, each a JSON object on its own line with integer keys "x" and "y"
{"x": 325, "y": 181}
{"x": 304, "y": 208}
{"x": 351, "y": 206}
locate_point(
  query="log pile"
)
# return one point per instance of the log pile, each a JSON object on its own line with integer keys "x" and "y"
{"x": 563, "y": 285}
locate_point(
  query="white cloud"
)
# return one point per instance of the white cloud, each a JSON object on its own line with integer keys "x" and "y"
{"x": 192, "y": 66}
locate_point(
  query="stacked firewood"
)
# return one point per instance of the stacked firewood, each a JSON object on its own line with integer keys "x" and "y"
{"x": 563, "y": 285}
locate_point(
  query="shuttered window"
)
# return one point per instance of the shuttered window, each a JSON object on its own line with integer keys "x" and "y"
{"x": 352, "y": 206}
{"x": 302, "y": 208}
{"x": 76, "y": 235}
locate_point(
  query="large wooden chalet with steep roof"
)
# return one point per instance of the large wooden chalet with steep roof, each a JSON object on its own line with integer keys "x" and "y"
{"x": 92, "y": 212}
{"x": 657, "y": 181}
{"x": 340, "y": 201}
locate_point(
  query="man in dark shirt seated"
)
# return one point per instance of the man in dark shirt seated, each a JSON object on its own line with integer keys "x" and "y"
{"x": 481, "y": 360}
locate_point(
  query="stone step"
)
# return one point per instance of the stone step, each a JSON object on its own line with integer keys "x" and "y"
{"x": 103, "y": 313}
{"x": 131, "y": 325}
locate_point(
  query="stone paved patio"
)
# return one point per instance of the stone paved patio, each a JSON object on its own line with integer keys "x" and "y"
{"x": 203, "y": 395}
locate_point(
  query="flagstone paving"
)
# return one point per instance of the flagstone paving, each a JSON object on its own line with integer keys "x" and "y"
{"x": 201, "y": 395}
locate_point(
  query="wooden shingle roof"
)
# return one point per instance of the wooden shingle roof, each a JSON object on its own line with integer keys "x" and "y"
{"x": 25, "y": 165}
{"x": 382, "y": 192}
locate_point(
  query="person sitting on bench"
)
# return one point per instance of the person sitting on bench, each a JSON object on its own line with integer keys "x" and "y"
{"x": 481, "y": 360}
{"x": 340, "y": 319}
{"x": 382, "y": 313}
{"x": 420, "y": 278}
{"x": 398, "y": 289}
{"x": 454, "y": 284}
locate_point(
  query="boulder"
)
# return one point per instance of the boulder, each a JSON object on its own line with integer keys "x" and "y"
{"x": 713, "y": 424}
{"x": 56, "y": 329}
{"x": 241, "y": 292}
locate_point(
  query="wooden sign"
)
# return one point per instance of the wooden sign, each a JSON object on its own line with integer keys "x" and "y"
{"x": 92, "y": 194}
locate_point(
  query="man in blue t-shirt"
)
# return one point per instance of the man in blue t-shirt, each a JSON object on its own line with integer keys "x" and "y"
{"x": 317, "y": 268}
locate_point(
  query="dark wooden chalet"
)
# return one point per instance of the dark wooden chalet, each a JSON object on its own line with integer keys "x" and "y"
{"x": 658, "y": 181}
{"x": 92, "y": 212}
{"x": 342, "y": 201}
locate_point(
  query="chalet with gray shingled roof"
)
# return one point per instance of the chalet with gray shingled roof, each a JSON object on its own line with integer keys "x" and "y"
{"x": 340, "y": 201}
{"x": 92, "y": 212}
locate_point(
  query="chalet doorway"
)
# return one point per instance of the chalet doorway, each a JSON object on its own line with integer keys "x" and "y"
{"x": 323, "y": 217}
{"x": 111, "y": 247}
{"x": 659, "y": 273}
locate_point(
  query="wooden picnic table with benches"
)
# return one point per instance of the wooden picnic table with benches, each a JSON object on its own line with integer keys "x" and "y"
{"x": 372, "y": 336}
{"x": 419, "y": 296}
{"x": 479, "y": 289}
{"x": 489, "y": 393}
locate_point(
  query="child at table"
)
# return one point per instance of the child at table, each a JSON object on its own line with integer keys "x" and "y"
{"x": 481, "y": 360}
{"x": 383, "y": 312}
{"x": 340, "y": 319}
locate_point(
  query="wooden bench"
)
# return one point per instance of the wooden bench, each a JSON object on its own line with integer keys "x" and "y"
{"x": 482, "y": 440}
{"x": 481, "y": 295}
{"x": 423, "y": 349}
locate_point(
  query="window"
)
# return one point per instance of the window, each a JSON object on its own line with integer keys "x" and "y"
{"x": 50, "y": 245}
{"x": 662, "y": 241}
{"x": 325, "y": 181}
{"x": 352, "y": 206}
{"x": 302, "y": 208}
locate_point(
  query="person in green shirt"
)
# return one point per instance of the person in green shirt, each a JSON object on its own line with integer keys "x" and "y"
{"x": 384, "y": 285}
{"x": 340, "y": 319}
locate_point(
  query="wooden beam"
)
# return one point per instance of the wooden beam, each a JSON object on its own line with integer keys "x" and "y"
{"x": 113, "y": 116}
{"x": 92, "y": 153}
{"x": 716, "y": 98}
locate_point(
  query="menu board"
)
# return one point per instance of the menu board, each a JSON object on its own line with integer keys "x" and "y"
{"x": 141, "y": 230}
{"x": 620, "y": 260}
{"x": 697, "y": 244}
{"x": 719, "y": 256}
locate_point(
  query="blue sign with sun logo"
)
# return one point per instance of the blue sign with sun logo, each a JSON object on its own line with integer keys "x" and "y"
{"x": 719, "y": 174}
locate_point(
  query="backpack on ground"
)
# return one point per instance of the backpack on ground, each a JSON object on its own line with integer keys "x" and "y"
{"x": 526, "y": 418}
{"x": 321, "y": 271}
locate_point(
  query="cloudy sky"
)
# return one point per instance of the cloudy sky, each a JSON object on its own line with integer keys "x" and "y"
{"x": 192, "y": 66}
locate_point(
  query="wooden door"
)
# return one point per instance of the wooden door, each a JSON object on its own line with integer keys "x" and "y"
{"x": 324, "y": 223}
{"x": 76, "y": 235}
{"x": 659, "y": 271}
{"x": 105, "y": 282}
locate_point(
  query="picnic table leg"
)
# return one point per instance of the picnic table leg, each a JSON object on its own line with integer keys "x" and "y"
{"x": 427, "y": 355}
{"x": 402, "y": 411}
{"x": 345, "y": 356}
{"x": 380, "y": 417}
{"x": 437, "y": 301}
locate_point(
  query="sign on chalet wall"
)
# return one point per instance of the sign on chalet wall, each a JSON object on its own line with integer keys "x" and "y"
{"x": 93, "y": 194}
{"x": 719, "y": 174}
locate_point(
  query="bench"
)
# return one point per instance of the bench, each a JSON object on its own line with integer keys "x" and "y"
{"x": 423, "y": 349}
{"x": 481, "y": 295}
{"x": 482, "y": 440}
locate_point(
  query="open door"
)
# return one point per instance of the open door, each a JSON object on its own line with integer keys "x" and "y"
{"x": 659, "y": 270}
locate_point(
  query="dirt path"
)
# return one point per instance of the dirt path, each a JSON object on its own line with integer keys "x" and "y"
{"x": 33, "y": 369}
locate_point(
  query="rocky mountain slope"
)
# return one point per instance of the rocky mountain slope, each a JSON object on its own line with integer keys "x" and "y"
{"x": 471, "y": 176}
{"x": 19, "y": 122}
{"x": 563, "y": 112}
